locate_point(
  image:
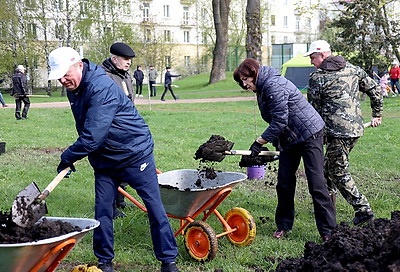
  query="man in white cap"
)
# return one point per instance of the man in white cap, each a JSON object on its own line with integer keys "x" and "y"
{"x": 334, "y": 91}
{"x": 19, "y": 91}
{"x": 119, "y": 146}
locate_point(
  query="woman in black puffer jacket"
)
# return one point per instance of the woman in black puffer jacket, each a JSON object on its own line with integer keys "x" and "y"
{"x": 296, "y": 129}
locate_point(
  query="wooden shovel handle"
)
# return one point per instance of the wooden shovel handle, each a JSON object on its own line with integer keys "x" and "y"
{"x": 248, "y": 152}
{"x": 53, "y": 184}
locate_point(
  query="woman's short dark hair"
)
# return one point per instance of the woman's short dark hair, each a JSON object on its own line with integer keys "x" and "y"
{"x": 248, "y": 68}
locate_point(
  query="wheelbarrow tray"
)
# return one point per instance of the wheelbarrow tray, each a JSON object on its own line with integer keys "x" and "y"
{"x": 182, "y": 197}
{"x": 23, "y": 257}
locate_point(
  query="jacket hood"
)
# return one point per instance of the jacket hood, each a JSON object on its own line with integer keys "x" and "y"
{"x": 333, "y": 63}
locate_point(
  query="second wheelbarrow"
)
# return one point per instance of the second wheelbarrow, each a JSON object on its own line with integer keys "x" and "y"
{"x": 184, "y": 198}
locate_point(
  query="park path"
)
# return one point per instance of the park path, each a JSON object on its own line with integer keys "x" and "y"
{"x": 145, "y": 101}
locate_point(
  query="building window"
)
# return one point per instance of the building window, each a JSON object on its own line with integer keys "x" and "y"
{"x": 167, "y": 60}
{"x": 273, "y": 20}
{"x": 285, "y": 21}
{"x": 187, "y": 61}
{"x": 297, "y": 23}
{"x": 146, "y": 11}
{"x": 31, "y": 31}
{"x": 126, "y": 7}
{"x": 83, "y": 8}
{"x": 166, "y": 11}
{"x": 285, "y": 39}
{"x": 147, "y": 35}
{"x": 186, "y": 37}
{"x": 204, "y": 37}
{"x": 308, "y": 23}
{"x": 273, "y": 38}
{"x": 167, "y": 35}
{"x": 59, "y": 5}
{"x": 185, "y": 15}
{"x": 60, "y": 32}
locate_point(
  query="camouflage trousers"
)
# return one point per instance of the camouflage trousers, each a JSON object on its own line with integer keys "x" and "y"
{"x": 336, "y": 167}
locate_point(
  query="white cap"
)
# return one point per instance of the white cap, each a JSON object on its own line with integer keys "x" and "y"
{"x": 60, "y": 60}
{"x": 20, "y": 67}
{"x": 318, "y": 46}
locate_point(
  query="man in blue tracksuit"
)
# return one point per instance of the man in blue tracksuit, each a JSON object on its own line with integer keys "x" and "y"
{"x": 119, "y": 147}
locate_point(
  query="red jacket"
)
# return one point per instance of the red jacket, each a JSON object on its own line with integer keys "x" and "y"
{"x": 394, "y": 72}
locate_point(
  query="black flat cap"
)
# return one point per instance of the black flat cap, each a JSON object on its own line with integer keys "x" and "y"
{"x": 121, "y": 49}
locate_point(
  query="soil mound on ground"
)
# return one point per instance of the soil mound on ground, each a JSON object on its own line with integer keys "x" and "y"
{"x": 10, "y": 233}
{"x": 374, "y": 247}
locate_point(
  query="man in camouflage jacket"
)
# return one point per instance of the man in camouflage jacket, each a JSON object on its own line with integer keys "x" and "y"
{"x": 334, "y": 91}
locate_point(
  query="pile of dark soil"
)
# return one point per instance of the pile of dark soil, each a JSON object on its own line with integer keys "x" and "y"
{"x": 374, "y": 247}
{"x": 214, "y": 149}
{"x": 10, "y": 233}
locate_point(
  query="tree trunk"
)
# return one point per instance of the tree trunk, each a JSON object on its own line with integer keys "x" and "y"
{"x": 254, "y": 36}
{"x": 220, "y": 13}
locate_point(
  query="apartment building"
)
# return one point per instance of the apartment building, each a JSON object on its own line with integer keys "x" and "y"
{"x": 179, "y": 33}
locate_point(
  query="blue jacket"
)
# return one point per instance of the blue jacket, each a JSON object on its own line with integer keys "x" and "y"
{"x": 291, "y": 118}
{"x": 111, "y": 131}
{"x": 168, "y": 78}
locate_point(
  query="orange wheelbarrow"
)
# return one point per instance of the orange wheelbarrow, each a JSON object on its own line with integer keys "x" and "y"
{"x": 185, "y": 196}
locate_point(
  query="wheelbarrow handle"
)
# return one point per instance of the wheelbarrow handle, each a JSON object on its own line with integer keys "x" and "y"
{"x": 248, "y": 152}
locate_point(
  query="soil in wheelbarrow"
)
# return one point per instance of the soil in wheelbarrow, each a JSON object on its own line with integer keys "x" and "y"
{"x": 10, "y": 233}
{"x": 374, "y": 247}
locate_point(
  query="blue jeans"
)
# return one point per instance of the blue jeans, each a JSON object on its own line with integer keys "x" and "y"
{"x": 395, "y": 82}
{"x": 142, "y": 177}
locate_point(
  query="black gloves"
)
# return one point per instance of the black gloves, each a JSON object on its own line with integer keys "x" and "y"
{"x": 255, "y": 148}
{"x": 65, "y": 164}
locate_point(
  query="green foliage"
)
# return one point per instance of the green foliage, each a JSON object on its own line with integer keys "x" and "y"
{"x": 362, "y": 33}
{"x": 32, "y": 154}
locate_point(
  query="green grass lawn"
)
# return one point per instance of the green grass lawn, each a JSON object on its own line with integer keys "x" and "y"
{"x": 32, "y": 154}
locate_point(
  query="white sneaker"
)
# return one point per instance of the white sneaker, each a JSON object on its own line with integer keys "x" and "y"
{"x": 140, "y": 95}
{"x": 136, "y": 95}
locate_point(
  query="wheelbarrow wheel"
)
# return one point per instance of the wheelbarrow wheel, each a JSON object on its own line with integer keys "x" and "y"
{"x": 201, "y": 241}
{"x": 242, "y": 220}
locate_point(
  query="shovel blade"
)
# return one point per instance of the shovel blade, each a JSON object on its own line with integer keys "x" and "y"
{"x": 26, "y": 209}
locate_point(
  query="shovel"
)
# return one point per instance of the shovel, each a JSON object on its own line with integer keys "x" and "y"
{"x": 29, "y": 205}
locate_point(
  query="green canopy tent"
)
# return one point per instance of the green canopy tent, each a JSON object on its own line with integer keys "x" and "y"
{"x": 298, "y": 70}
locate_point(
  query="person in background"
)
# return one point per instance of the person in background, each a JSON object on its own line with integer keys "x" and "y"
{"x": 383, "y": 83}
{"x": 394, "y": 74}
{"x": 296, "y": 129}
{"x": 167, "y": 83}
{"x": 19, "y": 91}
{"x": 153, "y": 74}
{"x": 1, "y": 96}
{"x": 139, "y": 76}
{"x": 117, "y": 67}
{"x": 119, "y": 146}
{"x": 334, "y": 91}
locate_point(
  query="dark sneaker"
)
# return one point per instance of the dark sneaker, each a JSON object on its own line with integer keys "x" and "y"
{"x": 362, "y": 218}
{"x": 106, "y": 267}
{"x": 278, "y": 234}
{"x": 169, "y": 267}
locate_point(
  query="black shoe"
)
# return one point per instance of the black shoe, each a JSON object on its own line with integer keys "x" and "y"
{"x": 176, "y": 98}
{"x": 169, "y": 267}
{"x": 106, "y": 267}
{"x": 162, "y": 99}
{"x": 24, "y": 118}
{"x": 362, "y": 218}
{"x": 118, "y": 214}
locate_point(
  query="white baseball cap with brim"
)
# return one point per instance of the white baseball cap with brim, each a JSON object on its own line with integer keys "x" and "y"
{"x": 60, "y": 60}
{"x": 318, "y": 46}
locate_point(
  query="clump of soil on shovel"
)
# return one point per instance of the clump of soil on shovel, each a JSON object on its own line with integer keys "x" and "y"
{"x": 10, "y": 233}
{"x": 374, "y": 247}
